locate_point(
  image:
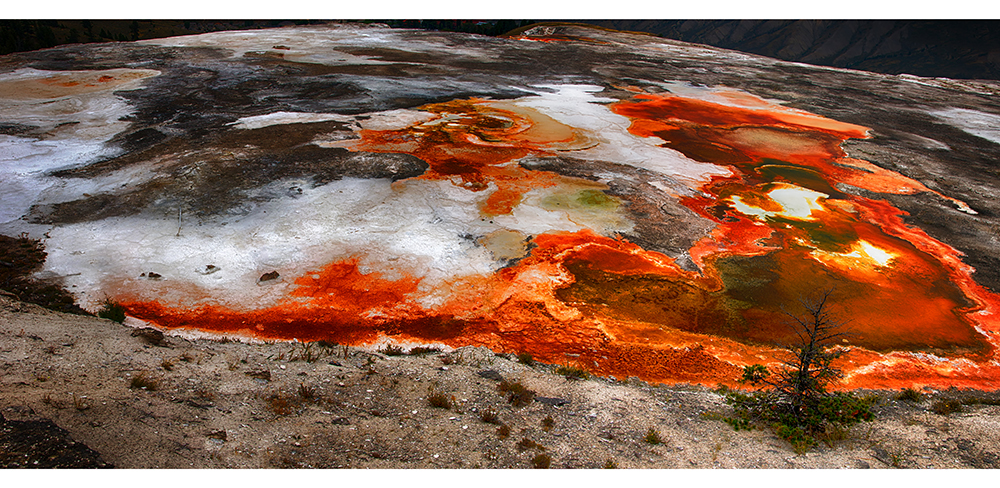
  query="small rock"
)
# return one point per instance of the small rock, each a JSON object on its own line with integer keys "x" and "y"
{"x": 273, "y": 275}
{"x": 151, "y": 336}
{"x": 217, "y": 434}
{"x": 262, "y": 374}
{"x": 490, "y": 374}
{"x": 556, "y": 402}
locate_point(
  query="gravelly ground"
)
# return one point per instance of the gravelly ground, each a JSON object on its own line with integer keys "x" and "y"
{"x": 236, "y": 405}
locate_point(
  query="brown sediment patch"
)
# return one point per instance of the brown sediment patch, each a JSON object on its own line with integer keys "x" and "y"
{"x": 505, "y": 244}
{"x": 58, "y": 84}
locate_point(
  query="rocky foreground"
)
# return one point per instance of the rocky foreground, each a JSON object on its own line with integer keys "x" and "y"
{"x": 80, "y": 391}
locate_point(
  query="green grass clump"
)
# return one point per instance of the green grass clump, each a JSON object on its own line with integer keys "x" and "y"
{"x": 572, "y": 372}
{"x": 112, "y": 310}
{"x": 653, "y": 437}
{"x": 909, "y": 395}
{"x": 945, "y": 407}
{"x": 824, "y": 418}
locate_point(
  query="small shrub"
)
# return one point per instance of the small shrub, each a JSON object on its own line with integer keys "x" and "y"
{"x": 392, "y": 350}
{"x": 503, "y": 431}
{"x": 800, "y": 440}
{"x": 797, "y": 406}
{"x": 167, "y": 365}
{"x": 422, "y": 350}
{"x": 572, "y": 372}
{"x": 909, "y": 395}
{"x": 610, "y": 464}
{"x": 112, "y": 310}
{"x": 142, "y": 381}
{"x": 439, "y": 400}
{"x": 526, "y": 359}
{"x": 306, "y": 353}
{"x": 547, "y": 423}
{"x": 945, "y": 407}
{"x": 517, "y": 394}
{"x": 490, "y": 416}
{"x": 541, "y": 461}
{"x": 447, "y": 359}
{"x": 980, "y": 400}
{"x": 652, "y": 437}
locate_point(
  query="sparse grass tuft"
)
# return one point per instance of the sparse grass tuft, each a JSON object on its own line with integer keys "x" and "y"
{"x": 909, "y": 395}
{"x": 304, "y": 352}
{"x": 572, "y": 372}
{"x": 490, "y": 416}
{"x": 392, "y": 350}
{"x": 517, "y": 394}
{"x": 980, "y": 400}
{"x": 306, "y": 392}
{"x": 143, "y": 381}
{"x": 421, "y": 350}
{"x": 547, "y": 423}
{"x": 439, "y": 400}
{"x": 112, "y": 310}
{"x": 653, "y": 437}
{"x": 447, "y": 359}
{"x": 945, "y": 407}
{"x": 280, "y": 404}
{"x": 503, "y": 431}
{"x": 526, "y": 359}
{"x": 167, "y": 364}
{"x": 610, "y": 464}
{"x": 541, "y": 461}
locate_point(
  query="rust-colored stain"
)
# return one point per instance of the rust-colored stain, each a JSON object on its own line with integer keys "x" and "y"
{"x": 608, "y": 305}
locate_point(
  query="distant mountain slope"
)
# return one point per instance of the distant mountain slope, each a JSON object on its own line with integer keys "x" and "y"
{"x": 967, "y": 49}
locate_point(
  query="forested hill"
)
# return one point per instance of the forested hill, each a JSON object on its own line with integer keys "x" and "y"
{"x": 963, "y": 49}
